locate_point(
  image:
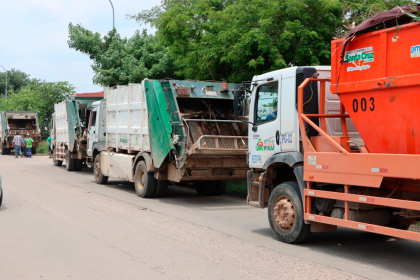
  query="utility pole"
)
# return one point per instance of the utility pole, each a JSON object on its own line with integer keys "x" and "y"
{"x": 6, "y": 78}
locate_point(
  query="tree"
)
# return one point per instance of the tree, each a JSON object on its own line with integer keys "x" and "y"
{"x": 16, "y": 79}
{"x": 236, "y": 39}
{"x": 119, "y": 60}
{"x": 39, "y": 97}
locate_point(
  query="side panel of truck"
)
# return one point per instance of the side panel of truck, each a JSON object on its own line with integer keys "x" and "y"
{"x": 117, "y": 165}
{"x": 61, "y": 123}
{"x": 127, "y": 119}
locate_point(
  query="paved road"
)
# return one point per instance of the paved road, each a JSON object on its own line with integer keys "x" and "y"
{"x": 55, "y": 224}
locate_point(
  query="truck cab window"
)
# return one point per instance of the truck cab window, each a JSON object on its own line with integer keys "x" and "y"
{"x": 93, "y": 119}
{"x": 266, "y": 103}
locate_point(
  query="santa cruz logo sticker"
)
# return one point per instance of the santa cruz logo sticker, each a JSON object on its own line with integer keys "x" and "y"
{"x": 359, "y": 59}
{"x": 415, "y": 51}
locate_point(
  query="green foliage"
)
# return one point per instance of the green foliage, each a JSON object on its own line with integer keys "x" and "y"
{"x": 238, "y": 187}
{"x": 16, "y": 79}
{"x": 43, "y": 148}
{"x": 119, "y": 60}
{"x": 39, "y": 97}
{"x": 236, "y": 39}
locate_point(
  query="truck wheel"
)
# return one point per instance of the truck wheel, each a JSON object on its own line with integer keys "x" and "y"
{"x": 97, "y": 172}
{"x": 34, "y": 151}
{"x": 70, "y": 163}
{"x": 55, "y": 160}
{"x": 161, "y": 188}
{"x": 209, "y": 188}
{"x": 220, "y": 187}
{"x": 285, "y": 213}
{"x": 144, "y": 182}
{"x": 78, "y": 164}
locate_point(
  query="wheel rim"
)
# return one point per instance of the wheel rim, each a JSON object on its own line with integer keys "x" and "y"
{"x": 284, "y": 213}
{"x": 97, "y": 169}
{"x": 141, "y": 180}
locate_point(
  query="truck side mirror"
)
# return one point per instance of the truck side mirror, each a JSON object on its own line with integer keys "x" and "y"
{"x": 254, "y": 128}
{"x": 238, "y": 101}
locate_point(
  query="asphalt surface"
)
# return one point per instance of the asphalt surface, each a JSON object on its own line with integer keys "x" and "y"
{"x": 56, "y": 224}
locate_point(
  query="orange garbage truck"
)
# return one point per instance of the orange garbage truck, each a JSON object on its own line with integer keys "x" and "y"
{"x": 329, "y": 181}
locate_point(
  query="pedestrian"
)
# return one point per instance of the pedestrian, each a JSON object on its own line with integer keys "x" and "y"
{"x": 24, "y": 145}
{"x": 49, "y": 145}
{"x": 17, "y": 144}
{"x": 29, "y": 141}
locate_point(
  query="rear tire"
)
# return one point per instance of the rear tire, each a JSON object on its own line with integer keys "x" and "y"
{"x": 78, "y": 165}
{"x": 33, "y": 151}
{"x": 55, "y": 160}
{"x": 97, "y": 172}
{"x": 161, "y": 188}
{"x": 3, "y": 150}
{"x": 220, "y": 188}
{"x": 144, "y": 182}
{"x": 285, "y": 214}
{"x": 210, "y": 188}
{"x": 70, "y": 163}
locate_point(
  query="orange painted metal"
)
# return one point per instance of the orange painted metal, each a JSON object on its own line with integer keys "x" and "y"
{"x": 373, "y": 200}
{"x": 406, "y": 234}
{"x": 378, "y": 83}
{"x": 363, "y": 168}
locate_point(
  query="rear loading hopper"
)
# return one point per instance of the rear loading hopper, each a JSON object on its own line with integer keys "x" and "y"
{"x": 185, "y": 131}
{"x": 378, "y": 83}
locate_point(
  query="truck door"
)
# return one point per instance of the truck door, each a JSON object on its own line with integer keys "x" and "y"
{"x": 92, "y": 135}
{"x": 265, "y": 106}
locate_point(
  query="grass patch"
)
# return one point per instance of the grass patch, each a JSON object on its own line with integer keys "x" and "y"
{"x": 237, "y": 187}
{"x": 42, "y": 148}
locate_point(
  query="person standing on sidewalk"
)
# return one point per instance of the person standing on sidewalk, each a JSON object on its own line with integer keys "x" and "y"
{"x": 17, "y": 144}
{"x": 29, "y": 141}
{"x": 24, "y": 145}
{"x": 49, "y": 145}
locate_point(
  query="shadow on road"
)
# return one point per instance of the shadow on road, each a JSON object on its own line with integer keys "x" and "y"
{"x": 184, "y": 196}
{"x": 393, "y": 254}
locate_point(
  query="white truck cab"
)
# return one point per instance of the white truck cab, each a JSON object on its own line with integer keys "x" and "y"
{"x": 97, "y": 130}
{"x": 275, "y": 153}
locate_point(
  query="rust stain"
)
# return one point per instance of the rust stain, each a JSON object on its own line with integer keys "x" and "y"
{"x": 392, "y": 99}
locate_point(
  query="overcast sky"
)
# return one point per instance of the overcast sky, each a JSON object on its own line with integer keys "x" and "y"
{"x": 34, "y": 34}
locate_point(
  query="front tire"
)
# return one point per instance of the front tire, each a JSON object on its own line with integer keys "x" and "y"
{"x": 144, "y": 182}
{"x": 285, "y": 214}
{"x": 34, "y": 151}
{"x": 70, "y": 163}
{"x": 100, "y": 178}
{"x": 3, "y": 150}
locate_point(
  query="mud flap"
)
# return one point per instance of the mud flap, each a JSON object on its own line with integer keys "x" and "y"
{"x": 302, "y": 184}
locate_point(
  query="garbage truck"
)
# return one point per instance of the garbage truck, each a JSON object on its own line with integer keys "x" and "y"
{"x": 312, "y": 179}
{"x": 162, "y": 131}
{"x": 68, "y": 130}
{"x": 22, "y": 122}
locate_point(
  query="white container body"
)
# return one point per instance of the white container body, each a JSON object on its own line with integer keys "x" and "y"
{"x": 127, "y": 122}
{"x": 61, "y": 123}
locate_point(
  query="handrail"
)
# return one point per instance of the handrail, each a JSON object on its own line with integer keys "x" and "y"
{"x": 302, "y": 117}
